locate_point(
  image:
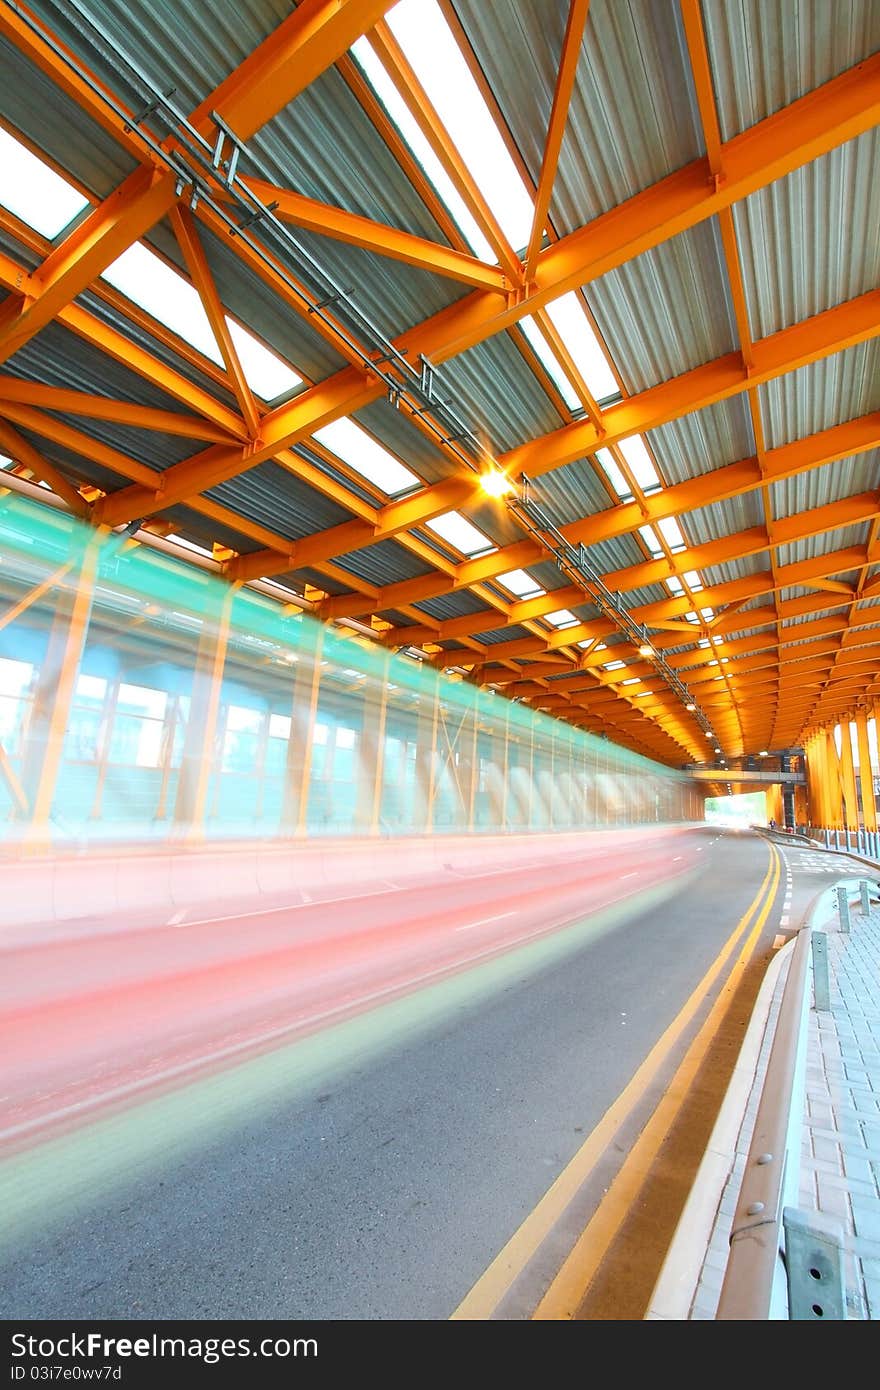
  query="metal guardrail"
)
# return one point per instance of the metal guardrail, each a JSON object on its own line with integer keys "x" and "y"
{"x": 754, "y": 1285}
{"x": 786, "y": 1263}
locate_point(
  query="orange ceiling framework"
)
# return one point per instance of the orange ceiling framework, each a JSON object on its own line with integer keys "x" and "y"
{"x": 798, "y": 636}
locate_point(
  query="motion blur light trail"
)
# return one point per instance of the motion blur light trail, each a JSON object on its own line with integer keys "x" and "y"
{"x": 94, "y": 1017}
{"x": 152, "y": 1119}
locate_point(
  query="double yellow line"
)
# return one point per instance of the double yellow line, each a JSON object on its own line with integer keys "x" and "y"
{"x": 568, "y": 1289}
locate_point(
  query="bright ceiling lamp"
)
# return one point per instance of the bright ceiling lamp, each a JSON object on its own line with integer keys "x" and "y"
{"x": 571, "y": 322}
{"x": 551, "y": 362}
{"x": 640, "y": 462}
{"x": 520, "y": 583}
{"x": 460, "y": 533}
{"x": 397, "y": 109}
{"x": 144, "y": 278}
{"x": 34, "y": 192}
{"x": 563, "y": 617}
{"x": 495, "y": 483}
{"x": 360, "y": 451}
{"x": 437, "y": 61}
{"x": 646, "y": 649}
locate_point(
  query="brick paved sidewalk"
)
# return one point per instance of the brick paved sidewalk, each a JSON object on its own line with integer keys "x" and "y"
{"x": 840, "y": 1172}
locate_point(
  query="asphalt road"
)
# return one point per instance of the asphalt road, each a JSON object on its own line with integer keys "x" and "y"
{"x": 373, "y": 1167}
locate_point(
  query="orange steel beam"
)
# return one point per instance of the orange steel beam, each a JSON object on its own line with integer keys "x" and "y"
{"x": 565, "y": 80}
{"x": 838, "y": 111}
{"x": 384, "y": 240}
{"x": 735, "y": 479}
{"x": 844, "y": 512}
{"x": 855, "y": 557}
{"x": 849, "y": 106}
{"x": 200, "y": 274}
{"x": 309, "y": 41}
{"x": 121, "y": 348}
{"x": 426, "y": 117}
{"x": 12, "y": 389}
{"x": 18, "y": 448}
{"x": 401, "y": 152}
{"x": 141, "y": 201}
{"x": 13, "y": 28}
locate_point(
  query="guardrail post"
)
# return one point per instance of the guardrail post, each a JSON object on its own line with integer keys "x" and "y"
{"x": 843, "y": 909}
{"x": 865, "y": 892}
{"x": 821, "y": 985}
{"x": 814, "y": 1266}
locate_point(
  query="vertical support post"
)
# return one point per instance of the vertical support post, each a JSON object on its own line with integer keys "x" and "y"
{"x": 505, "y": 768}
{"x": 821, "y": 986}
{"x": 105, "y": 738}
{"x": 848, "y": 779}
{"x": 427, "y": 729}
{"x": 201, "y": 726}
{"x": 843, "y": 909}
{"x": 303, "y": 709}
{"x": 371, "y": 755}
{"x": 865, "y": 895}
{"x": 866, "y": 773}
{"x": 172, "y": 715}
{"x": 469, "y": 761}
{"x": 50, "y": 712}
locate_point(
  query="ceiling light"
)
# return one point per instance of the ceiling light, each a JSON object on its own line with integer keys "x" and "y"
{"x": 709, "y": 733}
{"x": 495, "y": 483}
{"x": 646, "y": 649}
{"x": 690, "y": 707}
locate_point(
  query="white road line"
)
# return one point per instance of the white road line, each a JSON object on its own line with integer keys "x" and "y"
{"x": 778, "y": 940}
{"x": 784, "y": 920}
{"x": 634, "y": 873}
{"x": 178, "y": 917}
{"x": 676, "y": 859}
{"x": 483, "y": 920}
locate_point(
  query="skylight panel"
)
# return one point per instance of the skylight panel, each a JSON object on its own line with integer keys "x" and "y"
{"x": 614, "y": 473}
{"x": 549, "y": 359}
{"x": 406, "y": 124}
{"x": 429, "y": 44}
{"x": 640, "y": 694}
{"x": 693, "y": 581}
{"x": 144, "y": 278}
{"x": 360, "y": 451}
{"x": 649, "y": 536}
{"x": 613, "y": 665}
{"x": 460, "y": 533}
{"x": 574, "y": 328}
{"x": 33, "y": 191}
{"x": 631, "y": 680}
{"x": 521, "y": 583}
{"x": 641, "y": 463}
{"x": 563, "y": 617}
{"x": 674, "y": 584}
{"x": 672, "y": 534}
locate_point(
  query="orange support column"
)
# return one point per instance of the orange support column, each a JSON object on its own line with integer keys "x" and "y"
{"x": 57, "y": 682}
{"x": 848, "y": 778}
{"x": 866, "y": 772}
{"x": 198, "y": 758}
{"x": 371, "y": 755}
{"x": 303, "y": 709}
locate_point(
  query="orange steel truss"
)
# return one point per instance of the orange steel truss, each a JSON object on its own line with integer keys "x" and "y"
{"x": 766, "y": 679}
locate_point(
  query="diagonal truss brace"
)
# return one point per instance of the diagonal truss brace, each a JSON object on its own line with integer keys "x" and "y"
{"x": 575, "y": 564}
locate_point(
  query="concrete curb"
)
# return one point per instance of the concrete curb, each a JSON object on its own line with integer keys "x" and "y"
{"x": 674, "y": 1291}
